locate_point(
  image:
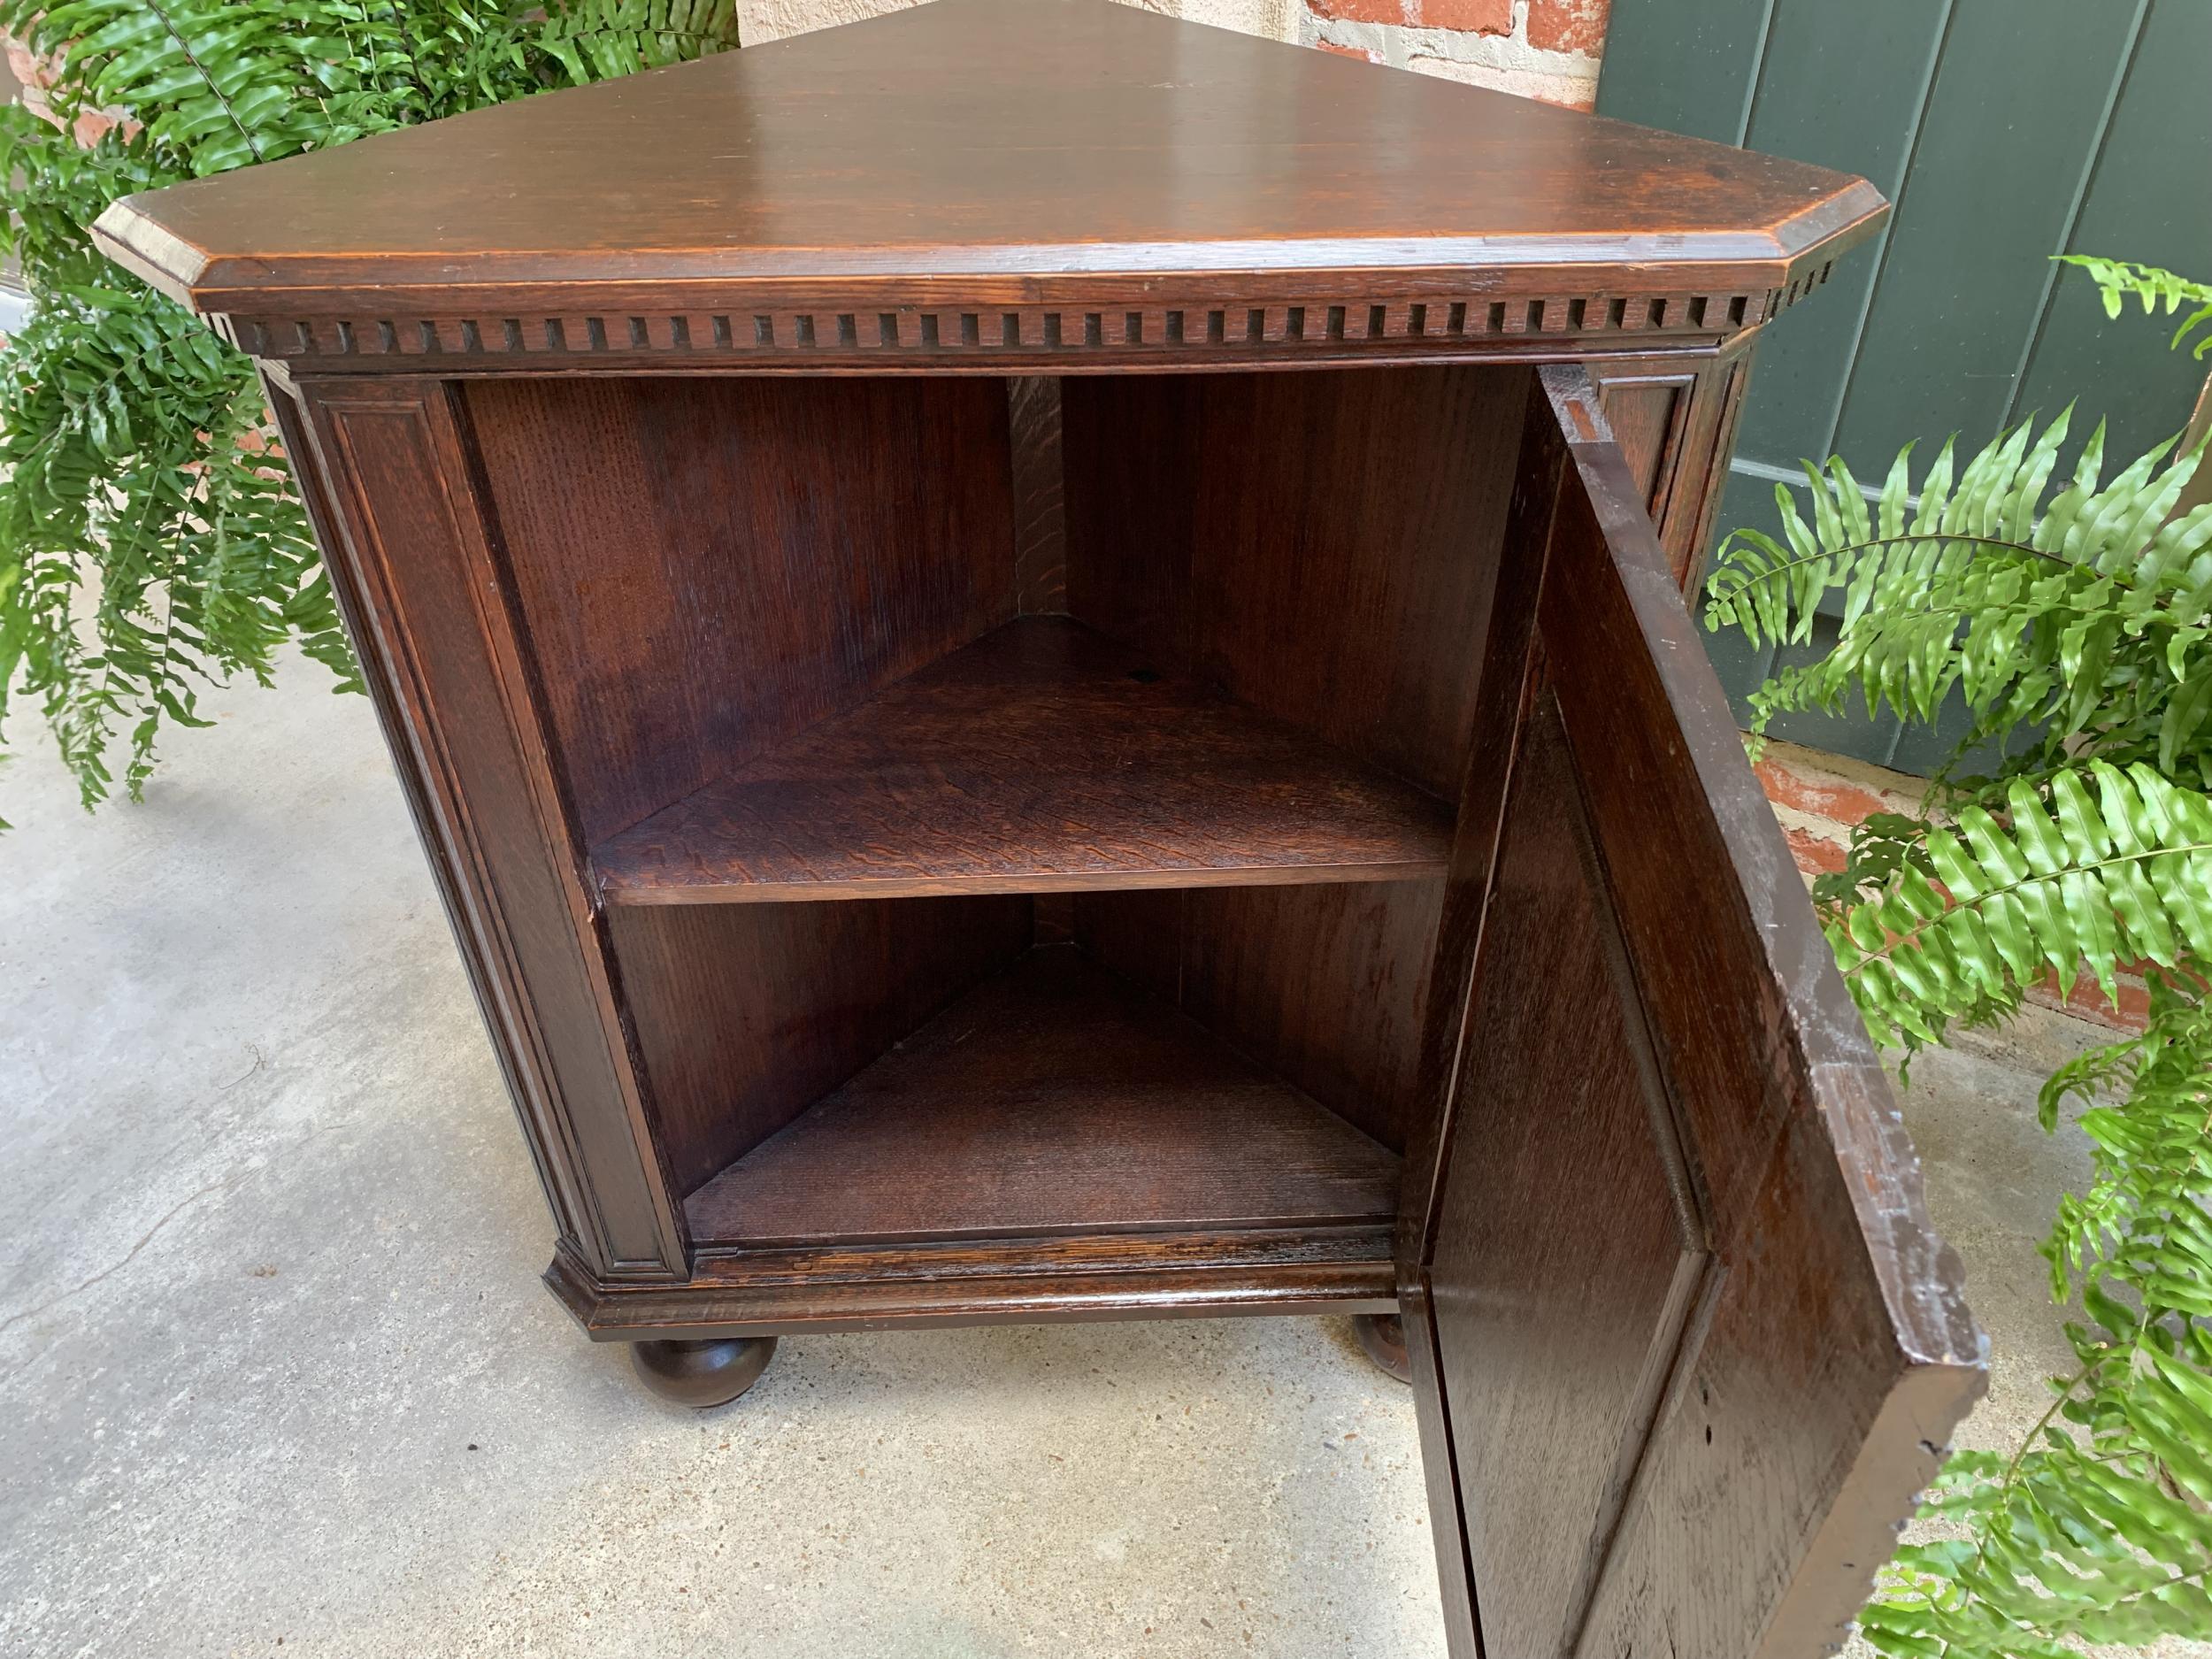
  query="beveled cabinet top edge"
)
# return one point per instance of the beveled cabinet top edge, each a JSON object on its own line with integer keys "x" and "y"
{"x": 987, "y": 163}
{"x": 1648, "y": 262}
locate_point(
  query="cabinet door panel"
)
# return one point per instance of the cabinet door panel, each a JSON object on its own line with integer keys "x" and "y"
{"x": 1685, "y": 1343}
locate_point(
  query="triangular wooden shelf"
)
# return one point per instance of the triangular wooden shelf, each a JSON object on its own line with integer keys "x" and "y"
{"x": 1044, "y": 757}
{"x": 1055, "y": 1098}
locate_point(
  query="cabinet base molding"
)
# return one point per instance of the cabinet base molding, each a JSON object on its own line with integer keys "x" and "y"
{"x": 995, "y": 1282}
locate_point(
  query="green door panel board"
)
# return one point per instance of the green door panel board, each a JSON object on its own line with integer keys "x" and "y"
{"x": 1690, "y": 68}
{"x": 2005, "y": 131}
{"x": 2011, "y": 122}
{"x": 2150, "y": 198}
{"x": 1843, "y": 87}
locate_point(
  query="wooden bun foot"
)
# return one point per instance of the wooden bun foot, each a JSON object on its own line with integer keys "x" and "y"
{"x": 702, "y": 1374}
{"x": 1383, "y": 1339}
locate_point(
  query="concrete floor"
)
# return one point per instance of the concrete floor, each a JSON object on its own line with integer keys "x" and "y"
{"x": 275, "y": 1369}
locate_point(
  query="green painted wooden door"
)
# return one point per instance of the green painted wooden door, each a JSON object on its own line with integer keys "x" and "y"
{"x": 2005, "y": 131}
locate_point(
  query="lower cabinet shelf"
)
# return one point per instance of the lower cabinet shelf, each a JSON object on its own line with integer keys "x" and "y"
{"x": 1054, "y": 1099}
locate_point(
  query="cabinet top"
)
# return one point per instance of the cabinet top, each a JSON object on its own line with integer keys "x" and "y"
{"x": 1050, "y": 175}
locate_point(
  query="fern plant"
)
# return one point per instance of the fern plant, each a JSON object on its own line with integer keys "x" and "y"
{"x": 2119, "y": 281}
{"x": 2072, "y": 623}
{"x": 149, "y": 540}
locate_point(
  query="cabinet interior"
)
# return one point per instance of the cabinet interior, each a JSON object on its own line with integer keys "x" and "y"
{"x": 1019, "y": 809}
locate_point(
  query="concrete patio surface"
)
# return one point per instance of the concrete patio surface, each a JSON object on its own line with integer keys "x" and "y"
{"x": 276, "y": 1373}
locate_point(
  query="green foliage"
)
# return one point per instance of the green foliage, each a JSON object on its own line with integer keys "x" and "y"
{"x": 2098, "y": 1528}
{"x": 2050, "y": 618}
{"x": 2072, "y": 623}
{"x": 149, "y": 540}
{"x": 2089, "y": 864}
{"x": 2119, "y": 279}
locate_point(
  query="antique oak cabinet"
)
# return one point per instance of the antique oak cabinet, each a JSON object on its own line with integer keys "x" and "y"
{"x": 1041, "y": 654}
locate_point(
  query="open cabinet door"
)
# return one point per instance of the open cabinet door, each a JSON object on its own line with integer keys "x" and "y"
{"x": 1685, "y": 1344}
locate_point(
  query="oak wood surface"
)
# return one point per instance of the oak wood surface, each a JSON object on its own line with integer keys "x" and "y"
{"x": 1320, "y": 545}
{"x": 1674, "y": 420}
{"x": 756, "y": 1290}
{"x": 706, "y": 567}
{"x": 1680, "y": 1339}
{"x": 746, "y": 1015}
{"x": 1690, "y": 1351}
{"x": 1056, "y": 1098}
{"x": 1325, "y": 544}
{"x": 1040, "y": 529}
{"x": 1325, "y": 986}
{"x": 1045, "y": 756}
{"x": 1586, "y": 1213}
{"x": 416, "y": 555}
{"x": 1018, "y": 148}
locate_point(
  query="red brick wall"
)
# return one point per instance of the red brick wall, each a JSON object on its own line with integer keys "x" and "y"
{"x": 1818, "y": 797}
{"x": 1541, "y": 49}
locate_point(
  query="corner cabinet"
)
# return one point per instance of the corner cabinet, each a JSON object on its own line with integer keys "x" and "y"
{"x": 1041, "y": 655}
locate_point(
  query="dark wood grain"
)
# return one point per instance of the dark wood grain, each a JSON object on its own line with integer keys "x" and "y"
{"x": 1587, "y": 1214}
{"x": 1043, "y": 757}
{"x": 1324, "y": 545}
{"x": 1647, "y": 407}
{"x": 746, "y": 1015}
{"x": 746, "y": 558}
{"x": 1056, "y": 1098}
{"x": 1018, "y": 1281}
{"x": 431, "y": 615}
{"x": 1326, "y": 987}
{"x": 1698, "y": 1338}
{"x": 1674, "y": 420}
{"x": 1464, "y": 852}
{"x": 1502, "y": 691}
{"x": 1040, "y": 524}
{"x": 1320, "y": 545}
{"x": 992, "y": 164}
{"x": 1693, "y": 520}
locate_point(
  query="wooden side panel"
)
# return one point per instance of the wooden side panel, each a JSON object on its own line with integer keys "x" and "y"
{"x": 1323, "y": 546}
{"x": 703, "y": 568}
{"x": 747, "y": 1014}
{"x": 1693, "y": 521}
{"x": 429, "y": 611}
{"x": 1041, "y": 525}
{"x": 1134, "y": 466}
{"x": 1320, "y": 545}
{"x": 1674, "y": 420}
{"x": 1328, "y": 985}
{"x": 1570, "y": 1249}
{"x": 1645, "y": 411}
{"x": 1691, "y": 1344}
{"x": 706, "y": 566}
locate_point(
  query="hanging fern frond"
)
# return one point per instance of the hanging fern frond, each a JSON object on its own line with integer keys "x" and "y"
{"x": 2088, "y": 611}
{"x": 597, "y": 40}
{"x": 2119, "y": 281}
{"x": 2154, "y": 1148}
{"x": 2073, "y": 625}
{"x": 2098, "y": 1528}
{"x": 150, "y": 540}
{"x": 216, "y": 84}
{"x": 2098, "y": 866}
